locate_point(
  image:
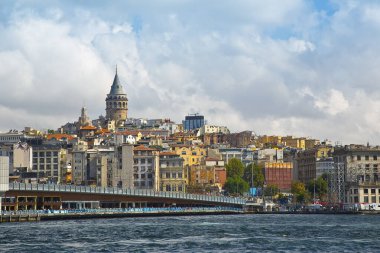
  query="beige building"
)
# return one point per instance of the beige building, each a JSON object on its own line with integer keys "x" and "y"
{"x": 146, "y": 168}
{"x": 173, "y": 175}
{"x": 208, "y": 129}
{"x": 307, "y": 162}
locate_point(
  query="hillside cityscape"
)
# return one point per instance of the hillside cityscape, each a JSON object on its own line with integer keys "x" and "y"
{"x": 191, "y": 157}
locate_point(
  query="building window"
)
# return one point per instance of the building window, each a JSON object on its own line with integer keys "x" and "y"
{"x": 366, "y": 157}
{"x": 373, "y": 191}
{"x": 375, "y": 157}
{"x": 167, "y": 174}
{"x": 358, "y": 158}
{"x": 365, "y": 199}
{"x": 365, "y": 191}
{"x": 355, "y": 191}
{"x": 373, "y": 199}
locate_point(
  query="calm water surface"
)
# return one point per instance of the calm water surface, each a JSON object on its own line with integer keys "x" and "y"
{"x": 230, "y": 233}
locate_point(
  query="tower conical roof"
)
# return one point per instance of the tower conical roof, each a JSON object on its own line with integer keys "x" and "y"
{"x": 117, "y": 88}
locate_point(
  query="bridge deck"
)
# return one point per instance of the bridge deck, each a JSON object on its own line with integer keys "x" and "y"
{"x": 53, "y": 188}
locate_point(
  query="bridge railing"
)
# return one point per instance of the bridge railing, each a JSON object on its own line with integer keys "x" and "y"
{"x": 126, "y": 210}
{"x": 127, "y": 192}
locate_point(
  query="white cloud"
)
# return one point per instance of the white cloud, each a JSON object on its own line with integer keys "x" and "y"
{"x": 274, "y": 67}
{"x": 300, "y": 46}
{"x": 333, "y": 102}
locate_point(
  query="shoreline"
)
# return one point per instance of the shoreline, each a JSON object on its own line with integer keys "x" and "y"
{"x": 110, "y": 215}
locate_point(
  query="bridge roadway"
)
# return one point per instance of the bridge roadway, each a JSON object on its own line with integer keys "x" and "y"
{"x": 149, "y": 197}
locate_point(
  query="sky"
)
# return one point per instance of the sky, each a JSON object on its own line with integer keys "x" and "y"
{"x": 290, "y": 67}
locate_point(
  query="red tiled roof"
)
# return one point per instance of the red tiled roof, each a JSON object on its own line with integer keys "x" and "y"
{"x": 59, "y": 136}
{"x": 144, "y": 148}
{"x": 88, "y": 128}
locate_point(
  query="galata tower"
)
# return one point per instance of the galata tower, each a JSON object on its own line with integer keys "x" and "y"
{"x": 117, "y": 103}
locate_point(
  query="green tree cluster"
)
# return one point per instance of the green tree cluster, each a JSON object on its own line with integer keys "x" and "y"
{"x": 319, "y": 186}
{"x": 304, "y": 194}
{"x": 235, "y": 184}
{"x": 253, "y": 174}
{"x": 301, "y": 195}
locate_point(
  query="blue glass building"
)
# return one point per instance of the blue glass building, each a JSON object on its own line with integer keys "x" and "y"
{"x": 193, "y": 122}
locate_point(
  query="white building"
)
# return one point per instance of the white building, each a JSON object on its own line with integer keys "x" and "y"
{"x": 4, "y": 176}
{"x": 209, "y": 129}
{"x": 324, "y": 166}
{"x": 22, "y": 157}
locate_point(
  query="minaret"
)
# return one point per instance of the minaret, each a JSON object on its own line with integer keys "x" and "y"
{"x": 117, "y": 102}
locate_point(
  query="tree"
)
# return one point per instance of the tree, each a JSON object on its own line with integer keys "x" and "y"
{"x": 299, "y": 192}
{"x": 320, "y": 185}
{"x": 236, "y": 185}
{"x": 235, "y": 168}
{"x": 253, "y": 174}
{"x": 271, "y": 190}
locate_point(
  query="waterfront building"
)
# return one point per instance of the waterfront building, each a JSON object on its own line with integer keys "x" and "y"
{"x": 92, "y": 166}
{"x": 7, "y": 150}
{"x": 356, "y": 174}
{"x": 323, "y": 166}
{"x": 173, "y": 176}
{"x": 307, "y": 159}
{"x": 146, "y": 168}
{"x": 48, "y": 161}
{"x": 117, "y": 103}
{"x": 279, "y": 174}
{"x": 122, "y": 167}
{"x": 4, "y": 177}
